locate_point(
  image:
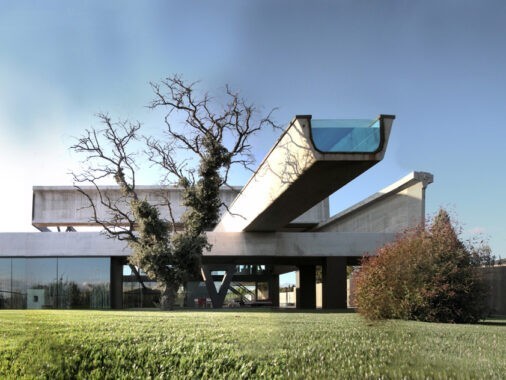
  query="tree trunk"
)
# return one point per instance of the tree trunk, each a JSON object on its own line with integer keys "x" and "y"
{"x": 168, "y": 298}
{"x": 185, "y": 293}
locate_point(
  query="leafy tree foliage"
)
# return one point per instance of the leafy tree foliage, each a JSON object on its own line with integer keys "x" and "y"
{"x": 427, "y": 274}
{"x": 216, "y": 136}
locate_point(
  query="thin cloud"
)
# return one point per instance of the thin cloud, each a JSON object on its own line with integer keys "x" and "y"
{"x": 477, "y": 231}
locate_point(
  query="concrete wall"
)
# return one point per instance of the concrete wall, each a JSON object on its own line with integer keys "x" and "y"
{"x": 392, "y": 210}
{"x": 296, "y": 244}
{"x": 316, "y": 214}
{"x": 65, "y": 206}
{"x": 62, "y": 244}
{"x": 287, "y": 298}
{"x": 224, "y": 244}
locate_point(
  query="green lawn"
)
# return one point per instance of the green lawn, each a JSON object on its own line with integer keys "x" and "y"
{"x": 239, "y": 344}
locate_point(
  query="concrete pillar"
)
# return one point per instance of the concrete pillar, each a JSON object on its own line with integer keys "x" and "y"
{"x": 116, "y": 286}
{"x": 306, "y": 287}
{"x": 274, "y": 290}
{"x": 334, "y": 283}
{"x": 217, "y": 297}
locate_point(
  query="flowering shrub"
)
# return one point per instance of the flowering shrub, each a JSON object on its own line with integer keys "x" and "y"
{"x": 427, "y": 274}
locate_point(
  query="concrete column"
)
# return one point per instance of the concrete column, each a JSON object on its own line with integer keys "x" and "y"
{"x": 306, "y": 287}
{"x": 274, "y": 290}
{"x": 334, "y": 283}
{"x": 217, "y": 297}
{"x": 116, "y": 286}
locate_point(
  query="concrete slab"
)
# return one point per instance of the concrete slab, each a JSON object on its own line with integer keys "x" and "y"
{"x": 224, "y": 244}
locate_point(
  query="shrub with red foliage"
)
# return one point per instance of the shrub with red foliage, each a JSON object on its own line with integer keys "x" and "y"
{"x": 427, "y": 274}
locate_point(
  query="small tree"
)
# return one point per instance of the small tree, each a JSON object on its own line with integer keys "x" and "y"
{"x": 216, "y": 137}
{"x": 427, "y": 274}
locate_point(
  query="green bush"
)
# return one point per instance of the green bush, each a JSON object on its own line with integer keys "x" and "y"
{"x": 427, "y": 274}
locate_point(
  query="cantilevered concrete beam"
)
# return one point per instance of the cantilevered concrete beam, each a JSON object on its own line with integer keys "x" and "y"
{"x": 311, "y": 160}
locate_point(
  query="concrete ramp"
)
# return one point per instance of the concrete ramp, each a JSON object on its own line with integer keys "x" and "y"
{"x": 310, "y": 161}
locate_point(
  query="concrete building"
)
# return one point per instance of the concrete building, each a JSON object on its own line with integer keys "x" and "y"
{"x": 278, "y": 222}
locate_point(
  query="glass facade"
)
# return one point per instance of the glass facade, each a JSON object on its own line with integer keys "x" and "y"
{"x": 84, "y": 283}
{"x": 346, "y": 136}
{"x": 5, "y": 283}
{"x": 138, "y": 290}
{"x": 55, "y": 283}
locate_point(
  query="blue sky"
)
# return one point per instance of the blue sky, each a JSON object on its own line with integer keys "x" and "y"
{"x": 440, "y": 66}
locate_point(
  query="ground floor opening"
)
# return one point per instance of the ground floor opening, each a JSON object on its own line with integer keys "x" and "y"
{"x": 112, "y": 283}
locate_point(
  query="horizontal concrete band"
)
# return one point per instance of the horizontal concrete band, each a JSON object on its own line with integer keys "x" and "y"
{"x": 66, "y": 206}
{"x": 225, "y": 244}
{"x": 296, "y": 244}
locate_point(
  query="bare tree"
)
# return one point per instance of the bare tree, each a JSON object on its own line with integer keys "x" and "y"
{"x": 107, "y": 156}
{"x": 215, "y": 137}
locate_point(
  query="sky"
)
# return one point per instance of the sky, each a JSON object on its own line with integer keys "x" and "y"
{"x": 439, "y": 66}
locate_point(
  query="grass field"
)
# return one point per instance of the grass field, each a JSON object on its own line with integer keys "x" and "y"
{"x": 239, "y": 344}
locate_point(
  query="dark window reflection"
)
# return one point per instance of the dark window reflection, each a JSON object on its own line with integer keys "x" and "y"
{"x": 138, "y": 290}
{"x": 5, "y": 283}
{"x": 40, "y": 283}
{"x": 18, "y": 283}
{"x": 84, "y": 283}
